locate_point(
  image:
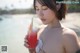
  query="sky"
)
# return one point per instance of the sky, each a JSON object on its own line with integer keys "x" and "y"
{"x": 12, "y": 4}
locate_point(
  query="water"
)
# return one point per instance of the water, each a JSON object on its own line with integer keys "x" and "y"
{"x": 13, "y": 29}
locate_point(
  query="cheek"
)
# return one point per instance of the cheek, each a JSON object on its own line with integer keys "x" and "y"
{"x": 39, "y": 14}
{"x": 50, "y": 15}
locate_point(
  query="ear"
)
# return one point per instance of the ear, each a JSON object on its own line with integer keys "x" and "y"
{"x": 58, "y": 6}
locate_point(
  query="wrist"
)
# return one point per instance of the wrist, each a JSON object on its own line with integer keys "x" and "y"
{"x": 32, "y": 50}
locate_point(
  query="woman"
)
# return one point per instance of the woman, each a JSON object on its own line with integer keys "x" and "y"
{"x": 53, "y": 38}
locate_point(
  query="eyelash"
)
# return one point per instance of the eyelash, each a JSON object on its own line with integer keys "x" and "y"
{"x": 37, "y": 9}
{"x": 43, "y": 9}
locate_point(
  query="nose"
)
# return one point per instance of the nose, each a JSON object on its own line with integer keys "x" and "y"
{"x": 40, "y": 13}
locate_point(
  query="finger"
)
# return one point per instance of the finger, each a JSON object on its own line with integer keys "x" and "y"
{"x": 26, "y": 45}
{"x": 26, "y": 37}
{"x": 26, "y": 42}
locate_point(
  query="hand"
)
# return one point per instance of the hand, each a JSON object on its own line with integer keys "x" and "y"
{"x": 31, "y": 40}
{"x": 26, "y": 44}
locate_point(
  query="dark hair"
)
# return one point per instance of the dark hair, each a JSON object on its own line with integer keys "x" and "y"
{"x": 52, "y": 5}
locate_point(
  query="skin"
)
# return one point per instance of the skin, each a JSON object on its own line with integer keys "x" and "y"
{"x": 60, "y": 39}
{"x": 63, "y": 40}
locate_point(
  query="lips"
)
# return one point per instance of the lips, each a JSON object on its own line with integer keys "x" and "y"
{"x": 43, "y": 19}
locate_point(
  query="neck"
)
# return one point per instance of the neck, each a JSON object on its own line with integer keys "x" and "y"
{"x": 54, "y": 24}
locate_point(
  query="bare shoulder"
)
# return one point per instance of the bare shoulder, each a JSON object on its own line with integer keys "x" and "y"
{"x": 70, "y": 35}
{"x": 70, "y": 40}
{"x": 69, "y": 32}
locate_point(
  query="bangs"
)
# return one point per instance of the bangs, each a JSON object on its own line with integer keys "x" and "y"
{"x": 42, "y": 2}
{"x": 49, "y": 3}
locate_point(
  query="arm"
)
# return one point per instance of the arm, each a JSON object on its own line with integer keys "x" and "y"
{"x": 71, "y": 41}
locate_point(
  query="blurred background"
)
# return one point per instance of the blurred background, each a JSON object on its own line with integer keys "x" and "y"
{"x": 15, "y": 17}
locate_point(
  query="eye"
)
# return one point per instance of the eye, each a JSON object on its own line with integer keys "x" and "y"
{"x": 44, "y": 7}
{"x": 37, "y": 8}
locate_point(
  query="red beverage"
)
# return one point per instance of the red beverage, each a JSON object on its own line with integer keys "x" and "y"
{"x": 32, "y": 39}
{"x": 32, "y": 36}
